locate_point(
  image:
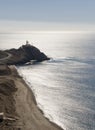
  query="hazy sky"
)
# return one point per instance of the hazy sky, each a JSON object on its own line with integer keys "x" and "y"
{"x": 60, "y": 12}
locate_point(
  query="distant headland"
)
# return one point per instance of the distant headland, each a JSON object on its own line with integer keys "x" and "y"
{"x": 22, "y": 55}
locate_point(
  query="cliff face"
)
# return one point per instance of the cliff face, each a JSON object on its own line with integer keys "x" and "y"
{"x": 33, "y": 53}
{"x": 4, "y": 70}
{"x": 24, "y": 54}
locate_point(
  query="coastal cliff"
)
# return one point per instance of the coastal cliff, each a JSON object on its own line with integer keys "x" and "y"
{"x": 18, "y": 107}
{"x": 26, "y": 53}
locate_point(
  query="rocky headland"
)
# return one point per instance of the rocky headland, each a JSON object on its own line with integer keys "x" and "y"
{"x": 26, "y": 53}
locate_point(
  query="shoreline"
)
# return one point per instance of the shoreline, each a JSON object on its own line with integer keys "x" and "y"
{"x": 29, "y": 115}
{"x": 35, "y": 101}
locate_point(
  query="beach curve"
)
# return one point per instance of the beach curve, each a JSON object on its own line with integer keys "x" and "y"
{"x": 28, "y": 115}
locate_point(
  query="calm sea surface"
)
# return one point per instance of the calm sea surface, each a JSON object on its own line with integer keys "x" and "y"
{"x": 64, "y": 87}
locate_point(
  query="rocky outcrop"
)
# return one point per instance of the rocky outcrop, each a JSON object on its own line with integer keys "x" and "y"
{"x": 4, "y": 70}
{"x": 24, "y": 54}
{"x": 2, "y": 54}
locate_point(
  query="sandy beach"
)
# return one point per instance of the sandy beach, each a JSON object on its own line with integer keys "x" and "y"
{"x": 19, "y": 104}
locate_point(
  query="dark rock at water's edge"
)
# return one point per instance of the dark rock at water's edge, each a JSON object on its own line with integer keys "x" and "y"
{"x": 22, "y": 55}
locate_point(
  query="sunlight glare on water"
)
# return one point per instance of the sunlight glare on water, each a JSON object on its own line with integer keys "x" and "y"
{"x": 64, "y": 87}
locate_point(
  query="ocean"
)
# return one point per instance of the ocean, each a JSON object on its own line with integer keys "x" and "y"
{"x": 64, "y": 87}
